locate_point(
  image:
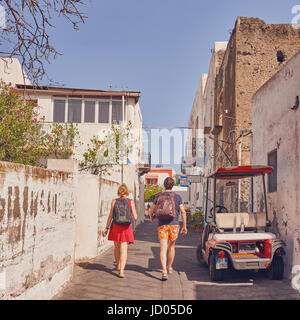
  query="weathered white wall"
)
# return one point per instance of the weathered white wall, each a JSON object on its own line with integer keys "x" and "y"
{"x": 86, "y": 216}
{"x": 277, "y": 126}
{"x": 37, "y": 230}
{"x": 49, "y": 219}
{"x": 93, "y": 197}
{"x": 107, "y": 191}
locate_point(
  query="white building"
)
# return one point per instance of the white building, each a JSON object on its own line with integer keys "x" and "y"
{"x": 200, "y": 150}
{"x": 156, "y": 176}
{"x": 11, "y": 71}
{"x": 93, "y": 111}
{"x": 276, "y": 142}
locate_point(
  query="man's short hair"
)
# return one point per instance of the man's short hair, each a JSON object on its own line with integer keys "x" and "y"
{"x": 169, "y": 183}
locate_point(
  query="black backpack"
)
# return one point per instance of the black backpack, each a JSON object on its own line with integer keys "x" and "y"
{"x": 122, "y": 212}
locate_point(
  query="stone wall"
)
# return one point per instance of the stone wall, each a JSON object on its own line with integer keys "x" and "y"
{"x": 37, "y": 230}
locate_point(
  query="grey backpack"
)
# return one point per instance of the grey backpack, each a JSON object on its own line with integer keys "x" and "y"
{"x": 122, "y": 212}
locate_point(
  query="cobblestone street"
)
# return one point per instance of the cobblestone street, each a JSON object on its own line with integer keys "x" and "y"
{"x": 95, "y": 279}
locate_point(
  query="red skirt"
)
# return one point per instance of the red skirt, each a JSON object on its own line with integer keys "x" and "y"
{"x": 120, "y": 233}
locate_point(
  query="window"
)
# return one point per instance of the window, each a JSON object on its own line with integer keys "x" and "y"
{"x": 272, "y": 177}
{"x": 194, "y": 146}
{"x": 151, "y": 182}
{"x": 89, "y": 111}
{"x": 103, "y": 115}
{"x": 74, "y": 111}
{"x": 59, "y": 110}
{"x": 280, "y": 56}
{"x": 117, "y": 114}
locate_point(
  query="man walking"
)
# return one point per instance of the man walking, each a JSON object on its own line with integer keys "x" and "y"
{"x": 167, "y": 206}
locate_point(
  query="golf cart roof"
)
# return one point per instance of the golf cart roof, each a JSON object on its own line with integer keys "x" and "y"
{"x": 240, "y": 172}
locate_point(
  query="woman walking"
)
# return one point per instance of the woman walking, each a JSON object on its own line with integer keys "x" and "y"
{"x": 119, "y": 225}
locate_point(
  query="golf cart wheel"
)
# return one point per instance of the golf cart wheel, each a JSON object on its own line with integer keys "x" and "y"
{"x": 275, "y": 272}
{"x": 199, "y": 255}
{"x": 215, "y": 274}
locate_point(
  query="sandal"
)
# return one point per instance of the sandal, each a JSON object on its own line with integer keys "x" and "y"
{"x": 121, "y": 275}
{"x": 164, "y": 276}
{"x": 170, "y": 270}
{"x": 115, "y": 266}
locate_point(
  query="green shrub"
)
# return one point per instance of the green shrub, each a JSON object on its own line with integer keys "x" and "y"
{"x": 197, "y": 219}
{"x": 151, "y": 191}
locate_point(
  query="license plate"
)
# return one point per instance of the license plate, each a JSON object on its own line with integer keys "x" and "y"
{"x": 221, "y": 263}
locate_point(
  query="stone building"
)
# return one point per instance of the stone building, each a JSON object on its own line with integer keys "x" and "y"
{"x": 255, "y": 52}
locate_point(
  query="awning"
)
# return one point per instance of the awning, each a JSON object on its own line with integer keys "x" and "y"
{"x": 240, "y": 172}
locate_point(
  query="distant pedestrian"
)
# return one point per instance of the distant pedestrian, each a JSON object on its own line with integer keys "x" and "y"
{"x": 167, "y": 207}
{"x": 119, "y": 225}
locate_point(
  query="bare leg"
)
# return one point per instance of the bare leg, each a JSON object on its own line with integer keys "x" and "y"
{"x": 117, "y": 254}
{"x": 123, "y": 256}
{"x": 171, "y": 254}
{"x": 163, "y": 254}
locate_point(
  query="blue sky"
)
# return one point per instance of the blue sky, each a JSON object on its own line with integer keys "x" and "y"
{"x": 158, "y": 47}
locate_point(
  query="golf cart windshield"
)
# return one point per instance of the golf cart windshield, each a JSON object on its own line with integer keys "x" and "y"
{"x": 237, "y": 201}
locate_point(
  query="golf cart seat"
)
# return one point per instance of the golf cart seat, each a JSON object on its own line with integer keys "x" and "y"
{"x": 235, "y": 220}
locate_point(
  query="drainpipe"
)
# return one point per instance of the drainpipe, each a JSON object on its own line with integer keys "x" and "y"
{"x": 123, "y": 109}
{"x": 240, "y": 163}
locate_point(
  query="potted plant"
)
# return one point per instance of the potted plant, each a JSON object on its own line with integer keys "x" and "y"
{"x": 197, "y": 221}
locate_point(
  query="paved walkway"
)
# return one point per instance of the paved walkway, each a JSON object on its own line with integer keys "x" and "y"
{"x": 95, "y": 279}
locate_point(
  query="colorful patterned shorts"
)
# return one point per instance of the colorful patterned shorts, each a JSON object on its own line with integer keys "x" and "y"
{"x": 169, "y": 232}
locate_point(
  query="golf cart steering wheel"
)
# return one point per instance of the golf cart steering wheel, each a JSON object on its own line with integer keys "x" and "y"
{"x": 219, "y": 209}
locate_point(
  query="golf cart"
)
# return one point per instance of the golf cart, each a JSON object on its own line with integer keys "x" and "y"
{"x": 241, "y": 240}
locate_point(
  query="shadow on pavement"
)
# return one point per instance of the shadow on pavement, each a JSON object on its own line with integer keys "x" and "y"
{"x": 95, "y": 266}
{"x": 103, "y": 268}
